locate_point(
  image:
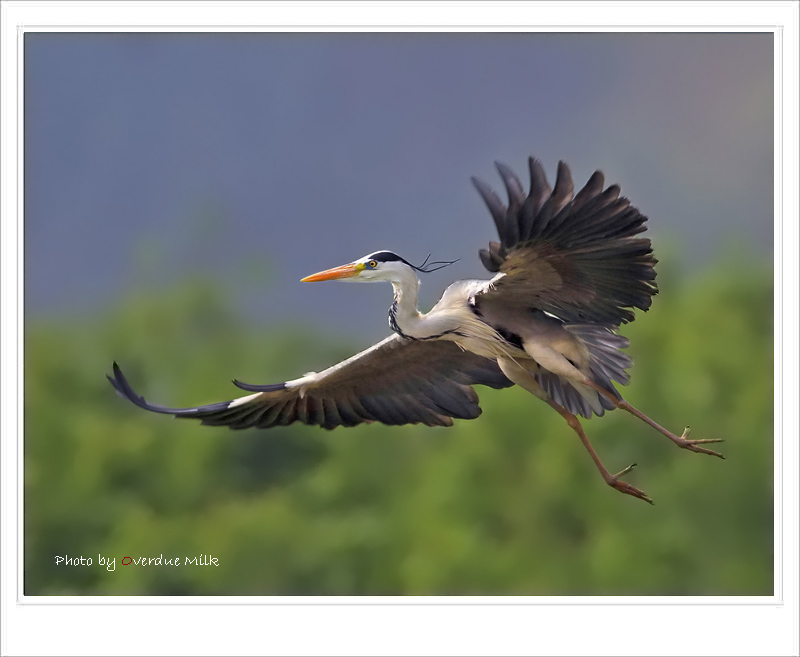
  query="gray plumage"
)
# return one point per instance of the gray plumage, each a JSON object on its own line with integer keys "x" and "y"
{"x": 577, "y": 258}
{"x": 574, "y": 258}
{"x": 569, "y": 270}
{"x": 394, "y": 382}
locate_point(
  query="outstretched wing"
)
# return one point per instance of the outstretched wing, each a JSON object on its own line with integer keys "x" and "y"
{"x": 577, "y": 258}
{"x": 397, "y": 381}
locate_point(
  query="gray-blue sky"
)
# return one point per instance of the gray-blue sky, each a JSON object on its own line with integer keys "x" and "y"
{"x": 151, "y": 157}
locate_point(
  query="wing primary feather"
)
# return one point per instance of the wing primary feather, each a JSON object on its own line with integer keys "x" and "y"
{"x": 540, "y": 188}
{"x": 360, "y": 410}
{"x": 269, "y": 387}
{"x": 562, "y": 194}
{"x": 592, "y": 188}
{"x": 516, "y": 194}
{"x": 573, "y": 255}
{"x": 428, "y": 416}
{"x": 348, "y": 393}
{"x": 304, "y": 412}
{"x": 122, "y": 386}
{"x": 465, "y": 409}
{"x": 287, "y": 415}
{"x": 527, "y": 214}
{"x": 270, "y": 415}
{"x": 489, "y": 261}
{"x": 541, "y": 222}
{"x": 512, "y": 235}
{"x": 347, "y": 412}
{"x": 496, "y": 207}
{"x": 246, "y": 418}
{"x": 382, "y": 411}
{"x": 330, "y": 413}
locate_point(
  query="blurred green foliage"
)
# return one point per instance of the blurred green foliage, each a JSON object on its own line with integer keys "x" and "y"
{"x": 509, "y": 504}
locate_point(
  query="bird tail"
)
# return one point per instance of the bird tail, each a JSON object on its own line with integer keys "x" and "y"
{"x": 607, "y": 363}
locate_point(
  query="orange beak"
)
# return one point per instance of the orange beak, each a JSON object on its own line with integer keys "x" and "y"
{"x": 345, "y": 271}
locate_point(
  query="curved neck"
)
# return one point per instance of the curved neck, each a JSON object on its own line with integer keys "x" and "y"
{"x": 407, "y": 321}
{"x": 404, "y": 318}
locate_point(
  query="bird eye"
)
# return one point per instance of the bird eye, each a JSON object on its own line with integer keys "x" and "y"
{"x": 372, "y": 264}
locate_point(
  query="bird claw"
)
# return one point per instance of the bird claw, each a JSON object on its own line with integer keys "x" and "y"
{"x": 624, "y": 487}
{"x": 693, "y": 445}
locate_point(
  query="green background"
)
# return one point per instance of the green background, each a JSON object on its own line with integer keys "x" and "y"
{"x": 508, "y": 504}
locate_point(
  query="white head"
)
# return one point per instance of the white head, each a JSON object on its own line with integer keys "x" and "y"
{"x": 377, "y": 266}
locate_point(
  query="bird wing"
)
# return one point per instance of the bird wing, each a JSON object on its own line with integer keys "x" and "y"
{"x": 576, "y": 258}
{"x": 397, "y": 381}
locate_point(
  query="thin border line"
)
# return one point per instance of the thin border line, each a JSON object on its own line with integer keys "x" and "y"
{"x": 777, "y": 388}
{"x": 23, "y": 600}
{"x": 449, "y": 29}
{"x": 20, "y": 290}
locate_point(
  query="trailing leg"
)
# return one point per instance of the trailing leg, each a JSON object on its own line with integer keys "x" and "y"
{"x": 612, "y": 480}
{"x": 523, "y": 378}
{"x": 681, "y": 441}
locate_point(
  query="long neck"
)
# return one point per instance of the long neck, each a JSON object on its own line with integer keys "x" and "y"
{"x": 404, "y": 318}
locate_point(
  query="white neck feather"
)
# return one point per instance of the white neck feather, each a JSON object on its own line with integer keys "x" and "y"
{"x": 404, "y": 316}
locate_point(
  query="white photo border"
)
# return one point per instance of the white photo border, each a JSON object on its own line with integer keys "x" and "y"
{"x": 411, "y": 625}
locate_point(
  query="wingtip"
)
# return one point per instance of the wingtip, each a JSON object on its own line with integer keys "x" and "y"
{"x": 250, "y": 387}
{"x": 479, "y": 184}
{"x": 539, "y": 184}
{"x": 116, "y": 375}
{"x": 115, "y": 379}
{"x": 508, "y": 176}
{"x": 597, "y": 179}
{"x": 502, "y": 167}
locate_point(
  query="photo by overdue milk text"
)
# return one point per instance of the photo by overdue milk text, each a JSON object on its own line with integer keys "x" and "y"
{"x": 110, "y": 563}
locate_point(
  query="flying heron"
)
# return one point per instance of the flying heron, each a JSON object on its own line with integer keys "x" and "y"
{"x": 568, "y": 271}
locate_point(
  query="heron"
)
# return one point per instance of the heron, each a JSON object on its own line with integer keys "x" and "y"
{"x": 568, "y": 270}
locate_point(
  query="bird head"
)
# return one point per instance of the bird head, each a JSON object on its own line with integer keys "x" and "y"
{"x": 377, "y": 266}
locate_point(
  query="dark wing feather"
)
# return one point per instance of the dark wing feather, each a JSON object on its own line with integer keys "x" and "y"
{"x": 577, "y": 258}
{"x": 397, "y": 381}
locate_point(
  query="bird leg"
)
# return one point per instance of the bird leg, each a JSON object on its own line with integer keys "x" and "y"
{"x": 612, "y": 480}
{"x": 681, "y": 441}
{"x": 524, "y": 379}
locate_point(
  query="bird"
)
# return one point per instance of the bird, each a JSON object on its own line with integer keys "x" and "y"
{"x": 568, "y": 270}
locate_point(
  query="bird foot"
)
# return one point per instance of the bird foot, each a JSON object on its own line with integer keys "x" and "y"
{"x": 623, "y": 486}
{"x": 694, "y": 445}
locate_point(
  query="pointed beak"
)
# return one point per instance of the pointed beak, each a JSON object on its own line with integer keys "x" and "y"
{"x": 345, "y": 271}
